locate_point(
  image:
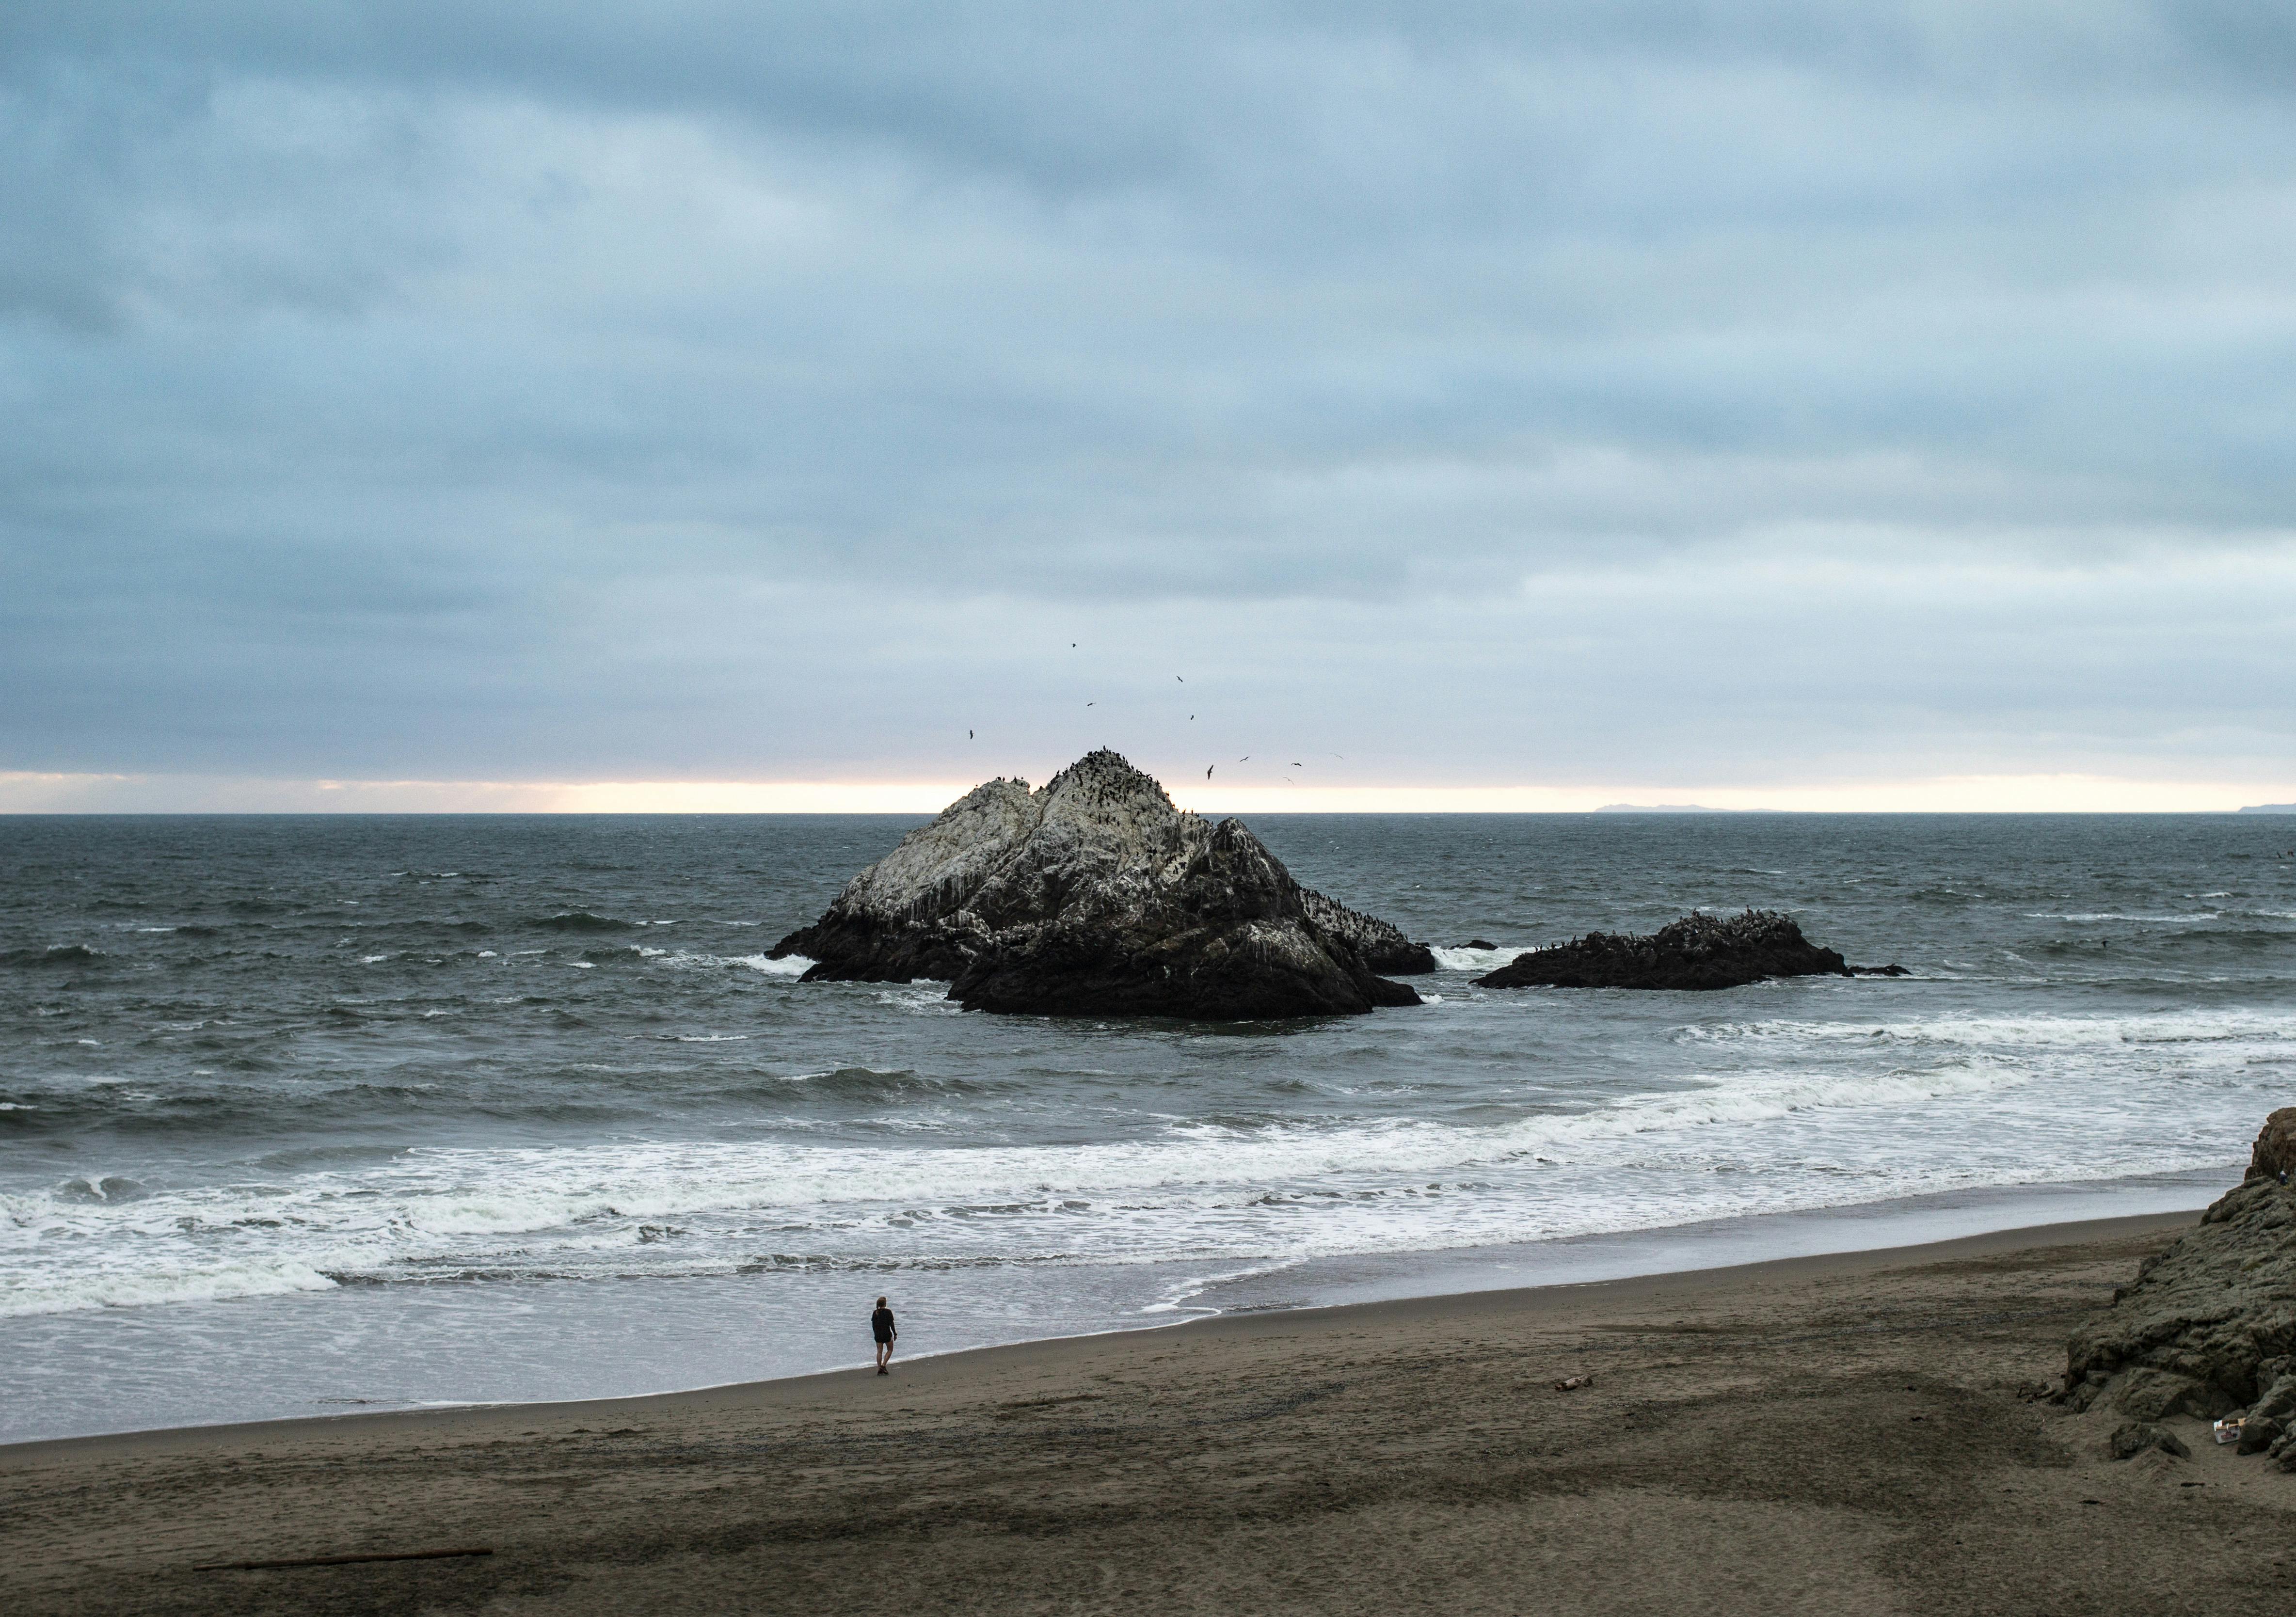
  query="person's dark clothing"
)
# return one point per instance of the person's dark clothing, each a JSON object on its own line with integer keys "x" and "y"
{"x": 881, "y": 1324}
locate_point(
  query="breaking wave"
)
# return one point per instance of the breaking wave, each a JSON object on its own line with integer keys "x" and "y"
{"x": 54, "y": 954}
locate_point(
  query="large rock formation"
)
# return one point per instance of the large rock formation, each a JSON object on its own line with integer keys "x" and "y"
{"x": 1699, "y": 950}
{"x": 1094, "y": 897}
{"x": 2208, "y": 1327}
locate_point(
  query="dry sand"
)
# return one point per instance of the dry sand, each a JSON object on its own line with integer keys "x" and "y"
{"x": 1830, "y": 1434}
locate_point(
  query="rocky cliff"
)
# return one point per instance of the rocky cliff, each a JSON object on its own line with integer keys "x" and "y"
{"x": 1094, "y": 897}
{"x": 2208, "y": 1327}
{"x": 1697, "y": 951}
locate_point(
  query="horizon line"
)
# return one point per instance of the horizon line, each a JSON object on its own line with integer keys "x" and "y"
{"x": 27, "y": 793}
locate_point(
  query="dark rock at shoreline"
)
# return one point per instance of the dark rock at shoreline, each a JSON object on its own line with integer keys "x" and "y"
{"x": 1477, "y": 943}
{"x": 2208, "y": 1327}
{"x": 1094, "y": 897}
{"x": 1699, "y": 950}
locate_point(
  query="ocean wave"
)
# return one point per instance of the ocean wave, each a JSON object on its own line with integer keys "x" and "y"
{"x": 473, "y": 1206}
{"x": 789, "y": 966}
{"x": 1475, "y": 960}
{"x": 2117, "y": 915}
{"x": 583, "y": 920}
{"x": 228, "y": 1280}
{"x": 54, "y": 954}
{"x": 2035, "y": 1032}
{"x": 870, "y": 1084}
{"x": 621, "y": 954}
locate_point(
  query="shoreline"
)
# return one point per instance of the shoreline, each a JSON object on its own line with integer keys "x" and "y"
{"x": 949, "y": 1366}
{"x": 1837, "y": 1432}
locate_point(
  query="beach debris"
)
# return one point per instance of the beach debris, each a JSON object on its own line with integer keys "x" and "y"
{"x": 1699, "y": 951}
{"x": 1572, "y": 1383}
{"x": 2228, "y": 1430}
{"x": 2137, "y": 1436}
{"x": 1095, "y": 896}
{"x": 395, "y": 1555}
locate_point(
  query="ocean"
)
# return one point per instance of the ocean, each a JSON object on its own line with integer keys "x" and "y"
{"x": 314, "y": 1113}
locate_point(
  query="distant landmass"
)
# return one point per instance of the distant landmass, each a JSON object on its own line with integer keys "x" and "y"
{"x": 1672, "y": 808}
{"x": 2270, "y": 808}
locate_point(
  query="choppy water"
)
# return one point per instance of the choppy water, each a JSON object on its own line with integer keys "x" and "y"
{"x": 302, "y": 1113}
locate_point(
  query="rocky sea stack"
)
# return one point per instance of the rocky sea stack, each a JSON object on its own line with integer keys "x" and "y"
{"x": 1094, "y": 897}
{"x": 1697, "y": 951}
{"x": 2208, "y": 1329}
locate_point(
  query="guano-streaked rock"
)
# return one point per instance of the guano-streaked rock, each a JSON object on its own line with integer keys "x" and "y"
{"x": 1095, "y": 896}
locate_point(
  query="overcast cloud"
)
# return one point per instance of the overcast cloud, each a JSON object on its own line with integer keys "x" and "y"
{"x": 1664, "y": 393}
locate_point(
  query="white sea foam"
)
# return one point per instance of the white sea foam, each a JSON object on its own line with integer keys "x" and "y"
{"x": 789, "y": 966}
{"x": 1478, "y": 960}
{"x": 2116, "y": 915}
{"x": 2036, "y": 1032}
{"x": 1189, "y": 1187}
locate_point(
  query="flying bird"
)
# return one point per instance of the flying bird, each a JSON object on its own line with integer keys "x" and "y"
{"x": 1245, "y": 759}
{"x": 1297, "y": 764}
{"x": 1091, "y": 704}
{"x": 968, "y": 735}
{"x": 1208, "y": 769}
{"x": 1181, "y": 677}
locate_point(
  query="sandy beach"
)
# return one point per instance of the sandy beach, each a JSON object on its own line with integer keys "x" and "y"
{"x": 1846, "y": 1434}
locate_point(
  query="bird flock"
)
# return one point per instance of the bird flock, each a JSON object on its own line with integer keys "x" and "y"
{"x": 1182, "y": 679}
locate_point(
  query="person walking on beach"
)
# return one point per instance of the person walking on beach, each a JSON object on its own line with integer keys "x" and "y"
{"x": 881, "y": 1326}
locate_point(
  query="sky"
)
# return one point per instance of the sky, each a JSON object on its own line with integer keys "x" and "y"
{"x": 415, "y": 405}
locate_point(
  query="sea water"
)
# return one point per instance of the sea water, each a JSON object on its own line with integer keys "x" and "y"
{"x": 312, "y": 1114}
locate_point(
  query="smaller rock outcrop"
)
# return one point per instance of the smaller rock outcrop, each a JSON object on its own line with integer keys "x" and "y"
{"x": 2208, "y": 1327}
{"x": 1095, "y": 896}
{"x": 1698, "y": 951}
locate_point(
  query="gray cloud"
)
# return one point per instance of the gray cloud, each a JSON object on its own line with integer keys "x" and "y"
{"x": 401, "y": 388}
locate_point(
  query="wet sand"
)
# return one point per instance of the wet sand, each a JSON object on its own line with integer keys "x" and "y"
{"x": 1846, "y": 1434}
